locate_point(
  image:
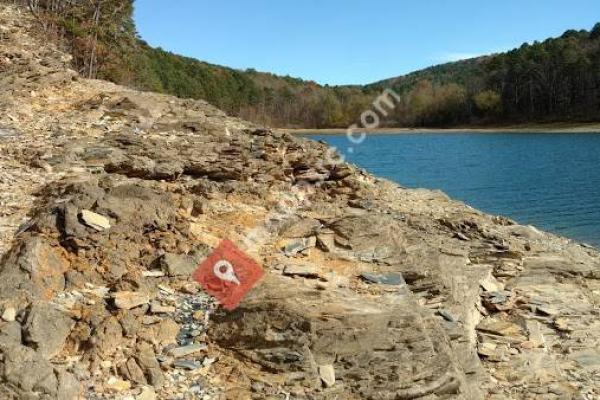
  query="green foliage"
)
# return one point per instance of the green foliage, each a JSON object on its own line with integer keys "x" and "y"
{"x": 434, "y": 104}
{"x": 488, "y": 102}
{"x": 595, "y": 33}
{"x": 548, "y": 81}
{"x": 558, "y": 79}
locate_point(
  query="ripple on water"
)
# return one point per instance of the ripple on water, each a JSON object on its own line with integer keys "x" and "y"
{"x": 548, "y": 180}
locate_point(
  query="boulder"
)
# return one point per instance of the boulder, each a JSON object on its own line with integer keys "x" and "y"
{"x": 34, "y": 268}
{"x": 378, "y": 347}
{"x": 31, "y": 375}
{"x": 28, "y": 371}
{"x": 46, "y": 329}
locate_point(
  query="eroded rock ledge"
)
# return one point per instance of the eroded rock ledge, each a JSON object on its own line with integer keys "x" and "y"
{"x": 111, "y": 197}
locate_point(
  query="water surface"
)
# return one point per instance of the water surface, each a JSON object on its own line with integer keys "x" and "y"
{"x": 549, "y": 180}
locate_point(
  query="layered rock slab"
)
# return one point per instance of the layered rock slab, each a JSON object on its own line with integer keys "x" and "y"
{"x": 380, "y": 348}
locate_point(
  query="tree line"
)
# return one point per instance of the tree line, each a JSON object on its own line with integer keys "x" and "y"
{"x": 554, "y": 80}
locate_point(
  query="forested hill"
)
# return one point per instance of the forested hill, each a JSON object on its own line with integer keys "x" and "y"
{"x": 557, "y": 80}
{"x": 550, "y": 81}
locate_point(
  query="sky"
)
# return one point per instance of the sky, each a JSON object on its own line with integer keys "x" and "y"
{"x": 352, "y": 41}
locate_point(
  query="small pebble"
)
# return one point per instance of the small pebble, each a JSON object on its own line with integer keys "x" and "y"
{"x": 147, "y": 394}
{"x": 153, "y": 274}
{"x": 186, "y": 364}
{"x": 187, "y": 350}
{"x": 9, "y": 314}
{"x": 117, "y": 385}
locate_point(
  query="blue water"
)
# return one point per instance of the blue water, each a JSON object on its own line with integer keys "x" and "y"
{"x": 549, "y": 180}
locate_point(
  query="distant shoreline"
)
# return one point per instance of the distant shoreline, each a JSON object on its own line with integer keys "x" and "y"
{"x": 530, "y": 128}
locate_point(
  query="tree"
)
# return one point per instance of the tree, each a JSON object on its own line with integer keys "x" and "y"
{"x": 420, "y": 103}
{"x": 595, "y": 33}
{"x": 557, "y": 79}
{"x": 488, "y": 102}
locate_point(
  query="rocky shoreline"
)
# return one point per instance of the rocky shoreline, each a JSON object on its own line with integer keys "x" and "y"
{"x": 592, "y": 128}
{"x": 111, "y": 197}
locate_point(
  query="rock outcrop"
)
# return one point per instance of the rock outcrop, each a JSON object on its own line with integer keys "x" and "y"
{"x": 110, "y": 197}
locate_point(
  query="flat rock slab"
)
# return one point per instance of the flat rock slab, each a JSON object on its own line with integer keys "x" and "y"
{"x": 385, "y": 279}
{"x": 128, "y": 300}
{"x": 187, "y": 350}
{"x": 500, "y": 328}
{"x": 305, "y": 271}
{"x": 288, "y": 328}
{"x": 95, "y": 221}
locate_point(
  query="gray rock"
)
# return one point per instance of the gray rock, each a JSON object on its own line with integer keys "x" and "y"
{"x": 301, "y": 229}
{"x": 69, "y": 388}
{"x": 295, "y": 246}
{"x": 257, "y": 387}
{"x": 187, "y": 350}
{"x": 28, "y": 371}
{"x": 10, "y": 334}
{"x": 386, "y": 279}
{"x": 383, "y": 344}
{"x": 147, "y": 361}
{"x": 302, "y": 270}
{"x": 187, "y": 364}
{"x": 370, "y": 336}
{"x": 177, "y": 265}
{"x": 372, "y": 238}
{"x": 130, "y": 324}
{"x": 46, "y": 329}
{"x": 181, "y": 265}
{"x": 446, "y": 315}
{"x": 131, "y": 371}
{"x": 589, "y": 359}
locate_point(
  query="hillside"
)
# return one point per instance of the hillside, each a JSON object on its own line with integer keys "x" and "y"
{"x": 557, "y": 80}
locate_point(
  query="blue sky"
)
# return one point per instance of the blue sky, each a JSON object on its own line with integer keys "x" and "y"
{"x": 352, "y": 41}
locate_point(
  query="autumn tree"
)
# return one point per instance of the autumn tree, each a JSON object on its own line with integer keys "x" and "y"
{"x": 488, "y": 102}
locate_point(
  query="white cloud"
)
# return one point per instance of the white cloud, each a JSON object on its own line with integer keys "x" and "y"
{"x": 454, "y": 56}
{"x": 451, "y": 56}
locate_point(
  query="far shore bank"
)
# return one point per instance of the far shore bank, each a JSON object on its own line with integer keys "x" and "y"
{"x": 533, "y": 128}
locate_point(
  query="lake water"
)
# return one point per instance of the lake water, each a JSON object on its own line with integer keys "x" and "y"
{"x": 549, "y": 180}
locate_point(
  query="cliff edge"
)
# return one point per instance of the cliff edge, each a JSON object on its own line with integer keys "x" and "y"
{"x": 111, "y": 197}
